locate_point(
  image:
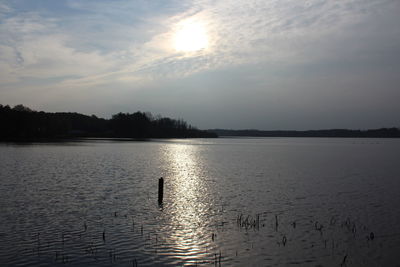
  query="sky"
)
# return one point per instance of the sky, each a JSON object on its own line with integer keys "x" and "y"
{"x": 268, "y": 64}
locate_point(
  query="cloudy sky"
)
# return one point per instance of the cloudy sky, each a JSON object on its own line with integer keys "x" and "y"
{"x": 268, "y": 64}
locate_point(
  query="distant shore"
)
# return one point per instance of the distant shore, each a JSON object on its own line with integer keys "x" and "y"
{"x": 88, "y": 139}
{"x": 342, "y": 133}
{"x": 21, "y": 124}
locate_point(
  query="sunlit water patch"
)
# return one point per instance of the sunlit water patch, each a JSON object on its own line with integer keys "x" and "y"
{"x": 227, "y": 202}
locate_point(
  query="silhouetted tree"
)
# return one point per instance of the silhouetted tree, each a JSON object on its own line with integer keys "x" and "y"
{"x": 22, "y": 123}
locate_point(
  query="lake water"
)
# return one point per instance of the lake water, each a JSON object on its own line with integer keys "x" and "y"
{"x": 227, "y": 202}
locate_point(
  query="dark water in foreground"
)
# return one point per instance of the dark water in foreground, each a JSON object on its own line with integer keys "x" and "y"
{"x": 227, "y": 202}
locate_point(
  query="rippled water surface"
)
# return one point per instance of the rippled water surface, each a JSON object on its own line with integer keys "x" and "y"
{"x": 227, "y": 202}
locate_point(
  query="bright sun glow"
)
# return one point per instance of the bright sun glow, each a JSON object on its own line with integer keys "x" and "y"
{"x": 190, "y": 36}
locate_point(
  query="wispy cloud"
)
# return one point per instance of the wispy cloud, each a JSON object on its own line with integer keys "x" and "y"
{"x": 135, "y": 37}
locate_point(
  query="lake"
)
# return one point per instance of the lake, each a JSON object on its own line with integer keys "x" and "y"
{"x": 227, "y": 202}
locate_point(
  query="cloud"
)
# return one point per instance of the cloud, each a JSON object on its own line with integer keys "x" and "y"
{"x": 283, "y": 31}
{"x": 273, "y": 32}
{"x": 32, "y": 48}
{"x": 135, "y": 37}
{"x": 4, "y": 9}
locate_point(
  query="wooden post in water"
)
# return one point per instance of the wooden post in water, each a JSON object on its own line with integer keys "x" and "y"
{"x": 160, "y": 190}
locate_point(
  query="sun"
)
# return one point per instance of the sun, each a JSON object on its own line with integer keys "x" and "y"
{"x": 190, "y": 36}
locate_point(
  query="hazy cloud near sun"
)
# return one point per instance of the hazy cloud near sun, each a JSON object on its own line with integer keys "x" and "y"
{"x": 76, "y": 50}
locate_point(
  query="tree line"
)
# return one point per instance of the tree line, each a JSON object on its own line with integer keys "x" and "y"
{"x": 22, "y": 123}
{"x": 372, "y": 133}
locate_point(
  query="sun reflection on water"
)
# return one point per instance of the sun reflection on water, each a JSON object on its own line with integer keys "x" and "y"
{"x": 190, "y": 204}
